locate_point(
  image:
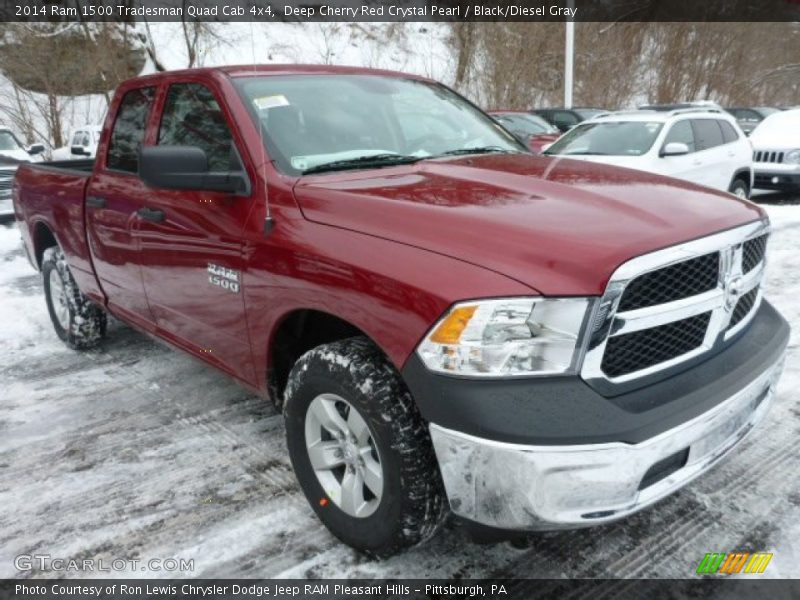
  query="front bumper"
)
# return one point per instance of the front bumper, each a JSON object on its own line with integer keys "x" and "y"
{"x": 776, "y": 179}
{"x": 563, "y": 456}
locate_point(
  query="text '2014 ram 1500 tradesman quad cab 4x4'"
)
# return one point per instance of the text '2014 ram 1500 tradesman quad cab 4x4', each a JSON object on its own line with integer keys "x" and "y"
{"x": 443, "y": 317}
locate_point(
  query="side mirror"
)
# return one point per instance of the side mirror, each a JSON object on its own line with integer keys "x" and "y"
{"x": 186, "y": 168}
{"x": 78, "y": 151}
{"x": 35, "y": 149}
{"x": 675, "y": 149}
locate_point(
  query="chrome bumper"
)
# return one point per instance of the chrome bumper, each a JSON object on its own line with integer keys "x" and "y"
{"x": 511, "y": 486}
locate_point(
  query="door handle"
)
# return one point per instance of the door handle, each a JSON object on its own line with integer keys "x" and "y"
{"x": 151, "y": 214}
{"x": 95, "y": 202}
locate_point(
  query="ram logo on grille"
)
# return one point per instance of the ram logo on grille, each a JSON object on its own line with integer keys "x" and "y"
{"x": 662, "y": 309}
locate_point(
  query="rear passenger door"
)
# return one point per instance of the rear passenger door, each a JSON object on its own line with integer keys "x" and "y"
{"x": 714, "y": 170}
{"x": 114, "y": 196}
{"x": 191, "y": 241}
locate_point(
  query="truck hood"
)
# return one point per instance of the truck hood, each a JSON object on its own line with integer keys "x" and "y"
{"x": 559, "y": 226}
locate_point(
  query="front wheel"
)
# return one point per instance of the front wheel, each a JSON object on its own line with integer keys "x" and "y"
{"x": 77, "y": 320}
{"x": 360, "y": 450}
{"x": 740, "y": 189}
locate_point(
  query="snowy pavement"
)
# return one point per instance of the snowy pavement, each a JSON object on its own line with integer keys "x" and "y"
{"x": 134, "y": 450}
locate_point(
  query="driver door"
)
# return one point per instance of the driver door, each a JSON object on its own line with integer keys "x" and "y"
{"x": 191, "y": 241}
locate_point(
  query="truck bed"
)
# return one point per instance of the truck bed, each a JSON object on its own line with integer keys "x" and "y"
{"x": 50, "y": 198}
{"x": 84, "y": 165}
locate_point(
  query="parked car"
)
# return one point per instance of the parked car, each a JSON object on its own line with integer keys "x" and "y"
{"x": 544, "y": 343}
{"x": 680, "y": 105}
{"x": 11, "y": 147}
{"x": 8, "y": 169}
{"x": 566, "y": 118}
{"x": 12, "y": 152}
{"x": 529, "y": 129}
{"x": 749, "y": 117}
{"x": 776, "y": 151}
{"x": 704, "y": 146}
{"x": 82, "y": 143}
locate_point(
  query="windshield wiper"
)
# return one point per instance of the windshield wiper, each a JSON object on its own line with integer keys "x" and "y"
{"x": 477, "y": 150}
{"x": 583, "y": 153}
{"x": 365, "y": 162}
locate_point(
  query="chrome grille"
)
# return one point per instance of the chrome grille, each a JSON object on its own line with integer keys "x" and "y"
{"x": 681, "y": 280}
{"x": 642, "y": 349}
{"x": 664, "y": 308}
{"x": 743, "y": 307}
{"x": 753, "y": 253}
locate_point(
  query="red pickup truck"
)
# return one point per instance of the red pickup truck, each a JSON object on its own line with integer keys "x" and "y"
{"x": 444, "y": 318}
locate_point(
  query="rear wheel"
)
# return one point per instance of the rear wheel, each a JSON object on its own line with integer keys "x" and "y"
{"x": 360, "y": 450}
{"x": 740, "y": 188}
{"x": 77, "y": 320}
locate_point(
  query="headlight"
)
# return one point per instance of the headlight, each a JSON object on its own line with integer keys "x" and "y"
{"x": 792, "y": 157}
{"x": 508, "y": 337}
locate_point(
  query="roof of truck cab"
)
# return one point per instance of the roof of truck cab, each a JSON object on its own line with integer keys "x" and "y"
{"x": 280, "y": 69}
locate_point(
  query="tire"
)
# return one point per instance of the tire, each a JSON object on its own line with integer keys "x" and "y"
{"x": 410, "y": 505}
{"x": 740, "y": 188}
{"x": 79, "y": 322}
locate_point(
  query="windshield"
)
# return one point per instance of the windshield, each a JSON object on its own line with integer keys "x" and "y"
{"x": 314, "y": 120}
{"x": 613, "y": 138}
{"x": 8, "y": 141}
{"x": 525, "y": 124}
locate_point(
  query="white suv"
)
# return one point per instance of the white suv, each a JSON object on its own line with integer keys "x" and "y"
{"x": 776, "y": 151}
{"x": 701, "y": 145}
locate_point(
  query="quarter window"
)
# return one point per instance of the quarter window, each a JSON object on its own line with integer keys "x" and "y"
{"x": 707, "y": 133}
{"x": 728, "y": 132}
{"x": 128, "y": 133}
{"x": 192, "y": 117}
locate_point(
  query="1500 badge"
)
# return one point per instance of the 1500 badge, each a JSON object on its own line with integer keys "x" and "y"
{"x": 227, "y": 279}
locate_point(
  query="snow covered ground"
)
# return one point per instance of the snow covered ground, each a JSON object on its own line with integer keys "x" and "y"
{"x": 137, "y": 451}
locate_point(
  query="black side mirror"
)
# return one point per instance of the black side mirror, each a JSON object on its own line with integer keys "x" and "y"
{"x": 186, "y": 168}
{"x": 35, "y": 149}
{"x": 78, "y": 151}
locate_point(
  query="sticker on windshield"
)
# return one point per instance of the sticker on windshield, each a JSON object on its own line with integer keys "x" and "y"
{"x": 265, "y": 102}
{"x": 300, "y": 162}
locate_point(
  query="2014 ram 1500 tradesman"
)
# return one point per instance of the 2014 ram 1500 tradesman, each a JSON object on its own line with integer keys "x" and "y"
{"x": 542, "y": 342}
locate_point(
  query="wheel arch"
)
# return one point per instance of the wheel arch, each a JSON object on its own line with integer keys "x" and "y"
{"x": 295, "y": 333}
{"x": 745, "y": 174}
{"x": 42, "y": 238}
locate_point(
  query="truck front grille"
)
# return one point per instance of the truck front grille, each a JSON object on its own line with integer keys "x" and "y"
{"x": 743, "y": 307}
{"x": 753, "y": 253}
{"x": 665, "y": 308}
{"x": 675, "y": 282}
{"x": 642, "y": 349}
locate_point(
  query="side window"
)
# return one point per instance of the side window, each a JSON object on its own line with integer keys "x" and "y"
{"x": 128, "y": 133}
{"x": 193, "y": 118}
{"x": 707, "y": 133}
{"x": 681, "y": 132}
{"x": 76, "y": 139}
{"x": 728, "y": 132}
